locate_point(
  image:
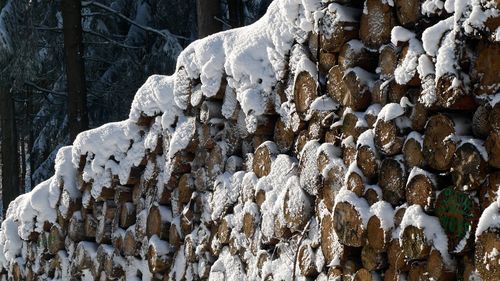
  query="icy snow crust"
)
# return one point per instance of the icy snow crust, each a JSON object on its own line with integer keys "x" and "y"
{"x": 252, "y": 59}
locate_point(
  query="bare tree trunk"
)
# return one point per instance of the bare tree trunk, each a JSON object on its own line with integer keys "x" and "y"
{"x": 10, "y": 167}
{"x": 208, "y": 11}
{"x": 75, "y": 69}
{"x": 22, "y": 144}
{"x": 236, "y": 13}
{"x": 29, "y": 113}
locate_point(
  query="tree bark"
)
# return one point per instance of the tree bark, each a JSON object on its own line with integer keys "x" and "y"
{"x": 75, "y": 68}
{"x": 207, "y": 11}
{"x": 10, "y": 167}
{"x": 236, "y": 13}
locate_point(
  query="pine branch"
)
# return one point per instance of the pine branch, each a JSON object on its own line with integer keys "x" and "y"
{"x": 43, "y": 90}
{"x": 162, "y": 33}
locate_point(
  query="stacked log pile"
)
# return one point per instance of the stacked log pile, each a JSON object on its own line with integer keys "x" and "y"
{"x": 378, "y": 158}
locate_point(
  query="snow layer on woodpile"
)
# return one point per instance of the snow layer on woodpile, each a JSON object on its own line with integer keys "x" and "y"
{"x": 252, "y": 59}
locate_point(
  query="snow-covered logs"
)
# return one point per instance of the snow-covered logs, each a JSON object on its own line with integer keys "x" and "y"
{"x": 353, "y": 139}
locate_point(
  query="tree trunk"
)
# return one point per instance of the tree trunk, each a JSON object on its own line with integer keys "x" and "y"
{"x": 236, "y": 13}
{"x": 10, "y": 167}
{"x": 75, "y": 68}
{"x": 207, "y": 11}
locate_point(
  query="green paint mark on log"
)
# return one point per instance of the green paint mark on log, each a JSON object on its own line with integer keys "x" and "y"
{"x": 458, "y": 215}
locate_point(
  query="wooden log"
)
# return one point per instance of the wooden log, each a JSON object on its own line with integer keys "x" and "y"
{"x": 363, "y": 274}
{"x": 306, "y": 260}
{"x": 175, "y": 234}
{"x": 283, "y": 136}
{"x": 350, "y": 87}
{"x": 405, "y": 56}
{"x": 183, "y": 85}
{"x": 392, "y": 179}
{"x": 127, "y": 215}
{"x": 130, "y": 244}
{"x": 326, "y": 61}
{"x": 223, "y": 231}
{"x": 105, "y": 223}
{"x": 186, "y": 220}
{"x": 482, "y": 120}
{"x": 373, "y": 259}
{"x": 137, "y": 193}
{"x": 376, "y": 24}
{"x": 332, "y": 183}
{"x": 330, "y": 244}
{"x": 438, "y": 146}
{"x": 378, "y": 237}
{"x": 186, "y": 188}
{"x": 335, "y": 272}
{"x": 55, "y": 240}
{"x": 367, "y": 157}
{"x": 371, "y": 114}
{"x": 355, "y": 181}
{"x": 117, "y": 240}
{"x": 215, "y": 161}
{"x": 489, "y": 191}
{"x": 296, "y": 207}
{"x": 437, "y": 268}
{"x": 250, "y": 219}
{"x": 122, "y": 194}
{"x": 348, "y": 225}
{"x": 452, "y": 94}
{"x": 348, "y": 150}
{"x": 379, "y": 93}
{"x": 76, "y": 228}
{"x": 335, "y": 32}
{"x": 421, "y": 189}
{"x": 395, "y": 92}
{"x": 395, "y": 256}
{"x": 181, "y": 162}
{"x": 492, "y": 145}
{"x": 349, "y": 268}
{"x": 262, "y": 160}
{"x": 412, "y": 150}
{"x": 494, "y": 117}
{"x": 469, "y": 167}
{"x": 353, "y": 124}
{"x": 388, "y": 137}
{"x": 90, "y": 226}
{"x": 486, "y": 68}
{"x": 467, "y": 263}
{"x": 318, "y": 123}
{"x": 68, "y": 203}
{"x": 18, "y": 273}
{"x": 408, "y": 12}
{"x": 458, "y": 214}
{"x": 158, "y": 221}
{"x": 388, "y": 59}
{"x": 392, "y": 274}
{"x": 418, "y": 117}
{"x": 305, "y": 91}
{"x": 141, "y": 224}
{"x": 107, "y": 264}
{"x": 190, "y": 245}
{"x": 414, "y": 243}
{"x": 486, "y": 254}
{"x": 84, "y": 253}
{"x": 209, "y": 110}
{"x": 417, "y": 271}
{"x": 158, "y": 256}
{"x": 372, "y": 194}
{"x": 353, "y": 53}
